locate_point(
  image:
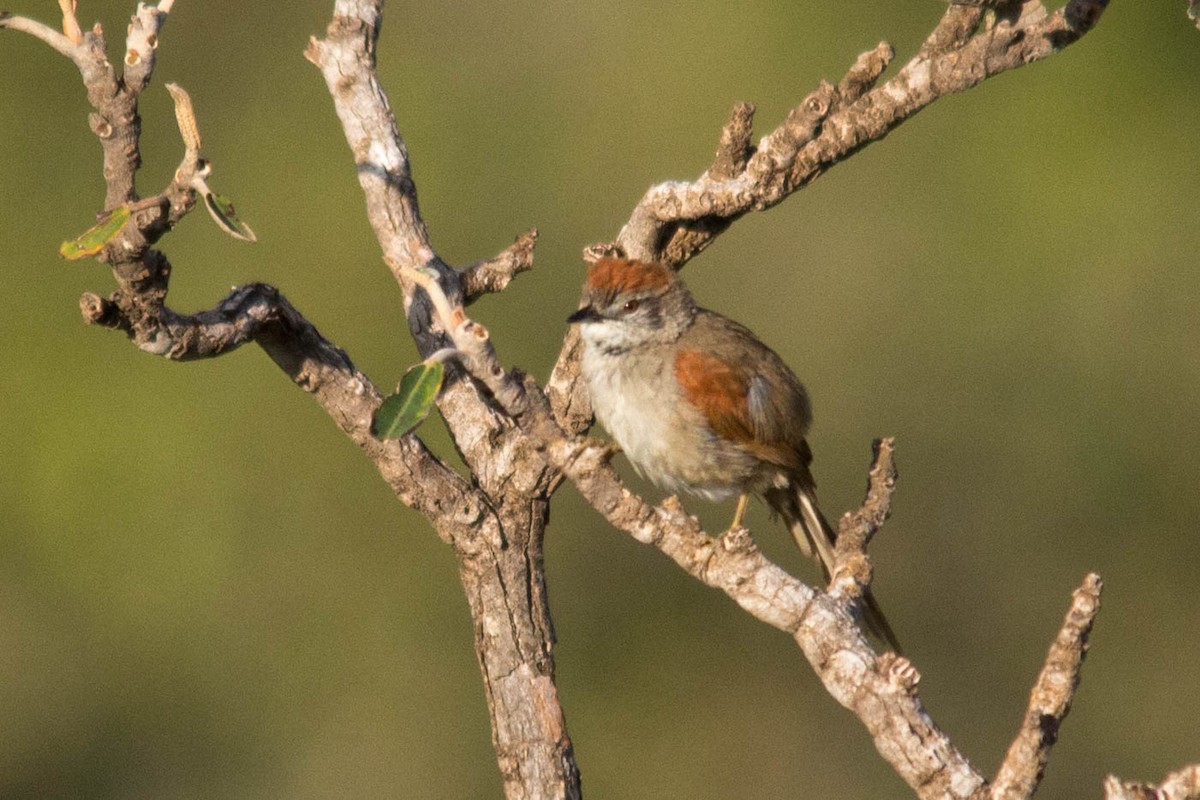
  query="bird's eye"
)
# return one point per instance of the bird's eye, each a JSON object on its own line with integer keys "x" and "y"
{"x": 630, "y": 306}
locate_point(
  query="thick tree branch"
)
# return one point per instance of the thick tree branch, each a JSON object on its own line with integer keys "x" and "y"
{"x": 502, "y": 573}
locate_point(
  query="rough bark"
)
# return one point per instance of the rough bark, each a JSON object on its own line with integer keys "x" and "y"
{"x": 500, "y": 564}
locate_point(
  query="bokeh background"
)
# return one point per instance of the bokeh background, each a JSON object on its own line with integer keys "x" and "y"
{"x": 205, "y": 591}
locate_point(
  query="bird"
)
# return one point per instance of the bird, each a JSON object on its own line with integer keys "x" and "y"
{"x": 699, "y": 405}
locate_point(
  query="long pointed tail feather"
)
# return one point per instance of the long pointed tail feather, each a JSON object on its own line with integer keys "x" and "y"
{"x": 815, "y": 537}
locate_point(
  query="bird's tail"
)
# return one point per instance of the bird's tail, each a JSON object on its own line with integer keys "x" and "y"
{"x": 815, "y": 537}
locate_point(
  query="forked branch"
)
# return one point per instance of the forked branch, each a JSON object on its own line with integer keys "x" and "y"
{"x": 256, "y": 312}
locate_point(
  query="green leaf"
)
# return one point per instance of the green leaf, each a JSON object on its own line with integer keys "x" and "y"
{"x": 405, "y": 410}
{"x": 221, "y": 210}
{"x": 92, "y": 240}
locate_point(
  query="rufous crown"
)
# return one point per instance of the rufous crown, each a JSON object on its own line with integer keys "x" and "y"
{"x": 613, "y": 276}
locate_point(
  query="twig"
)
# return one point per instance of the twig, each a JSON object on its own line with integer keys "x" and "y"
{"x": 185, "y": 116}
{"x": 70, "y": 24}
{"x": 494, "y": 274}
{"x": 856, "y": 529}
{"x": 1183, "y": 784}
{"x": 45, "y": 33}
{"x": 852, "y": 566}
{"x": 1024, "y": 764}
{"x": 735, "y": 148}
{"x": 259, "y": 313}
{"x": 142, "y": 42}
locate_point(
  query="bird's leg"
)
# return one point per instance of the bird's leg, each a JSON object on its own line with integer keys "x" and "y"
{"x": 743, "y": 498}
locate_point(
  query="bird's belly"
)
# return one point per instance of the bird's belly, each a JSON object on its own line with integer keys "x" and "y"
{"x": 670, "y": 444}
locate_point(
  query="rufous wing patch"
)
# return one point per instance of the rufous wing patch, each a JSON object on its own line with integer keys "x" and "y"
{"x": 718, "y": 389}
{"x": 721, "y": 391}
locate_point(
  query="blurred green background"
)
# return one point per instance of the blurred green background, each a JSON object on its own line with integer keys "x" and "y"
{"x": 205, "y": 590}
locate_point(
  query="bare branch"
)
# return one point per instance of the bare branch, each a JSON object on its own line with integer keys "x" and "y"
{"x": 495, "y": 274}
{"x": 141, "y": 42}
{"x": 852, "y": 566}
{"x": 856, "y": 529}
{"x": 1182, "y": 784}
{"x": 881, "y": 691}
{"x": 565, "y": 388}
{"x": 189, "y": 129}
{"x": 675, "y": 221}
{"x": 346, "y": 58}
{"x": 185, "y": 116}
{"x": 502, "y": 571}
{"x": 60, "y": 42}
{"x": 1025, "y": 762}
{"x": 259, "y": 313}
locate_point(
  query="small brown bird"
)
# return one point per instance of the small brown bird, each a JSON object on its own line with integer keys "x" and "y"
{"x": 699, "y": 404}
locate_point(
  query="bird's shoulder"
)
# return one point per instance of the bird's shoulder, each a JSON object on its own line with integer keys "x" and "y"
{"x": 744, "y": 389}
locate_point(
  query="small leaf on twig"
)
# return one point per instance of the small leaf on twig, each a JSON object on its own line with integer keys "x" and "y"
{"x": 92, "y": 240}
{"x": 221, "y": 210}
{"x": 405, "y": 410}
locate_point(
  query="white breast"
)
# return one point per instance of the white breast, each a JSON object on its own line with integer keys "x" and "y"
{"x": 637, "y": 400}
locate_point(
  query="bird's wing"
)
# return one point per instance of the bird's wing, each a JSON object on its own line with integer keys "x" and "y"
{"x": 741, "y": 406}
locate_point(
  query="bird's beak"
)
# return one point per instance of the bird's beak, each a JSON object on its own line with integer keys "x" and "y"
{"x": 585, "y": 314}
